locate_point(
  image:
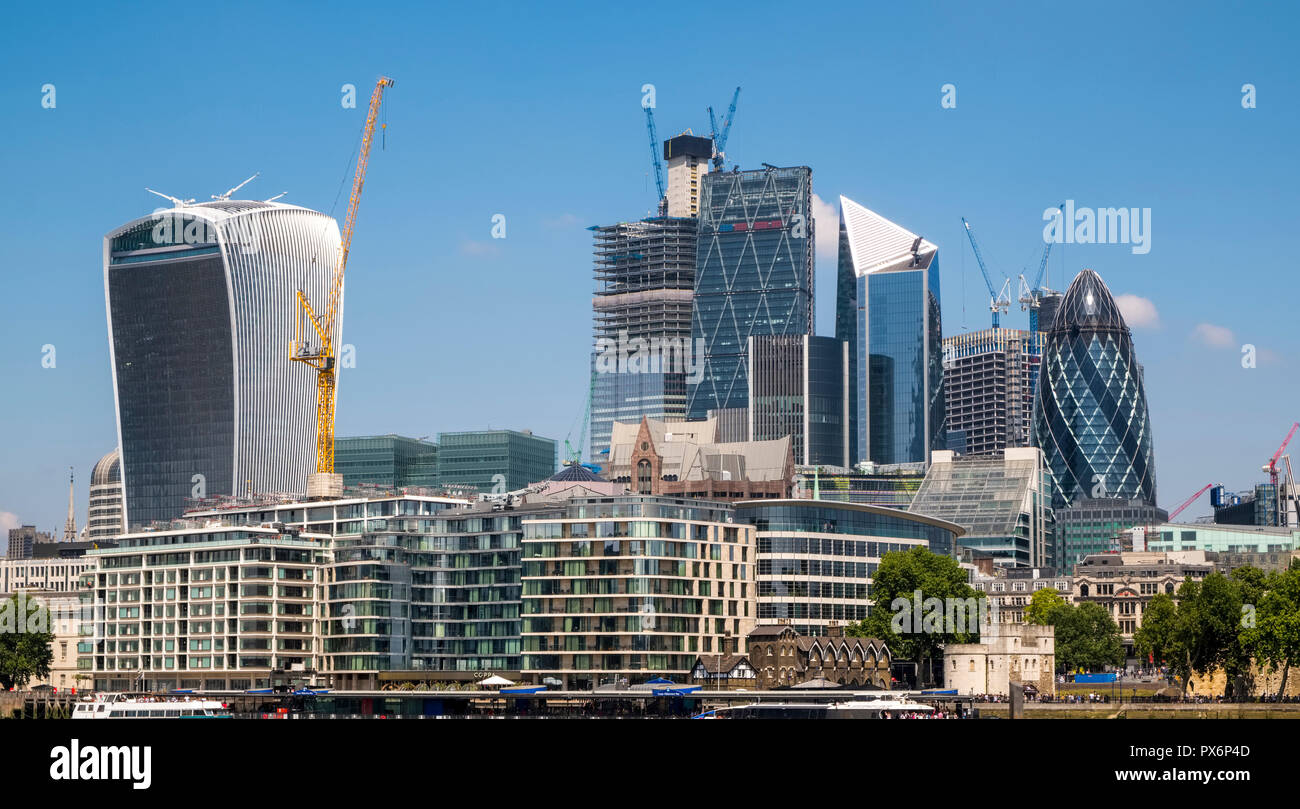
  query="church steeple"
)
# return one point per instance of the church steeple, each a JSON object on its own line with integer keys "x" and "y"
{"x": 70, "y": 529}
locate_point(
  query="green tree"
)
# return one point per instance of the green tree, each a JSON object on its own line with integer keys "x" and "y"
{"x": 1209, "y": 630}
{"x": 1041, "y": 604}
{"x": 900, "y": 575}
{"x": 1086, "y": 637}
{"x": 1275, "y": 637}
{"x": 1157, "y": 637}
{"x": 25, "y": 652}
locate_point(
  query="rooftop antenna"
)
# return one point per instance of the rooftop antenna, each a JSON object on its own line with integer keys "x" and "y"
{"x": 277, "y": 196}
{"x": 179, "y": 203}
{"x": 227, "y": 195}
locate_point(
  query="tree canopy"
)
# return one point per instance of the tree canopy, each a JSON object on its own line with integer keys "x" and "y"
{"x": 901, "y": 588}
{"x": 25, "y": 652}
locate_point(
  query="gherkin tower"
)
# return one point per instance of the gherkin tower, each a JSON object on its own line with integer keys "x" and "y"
{"x": 1090, "y": 416}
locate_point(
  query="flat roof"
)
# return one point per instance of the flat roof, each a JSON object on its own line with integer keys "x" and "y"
{"x": 868, "y": 508}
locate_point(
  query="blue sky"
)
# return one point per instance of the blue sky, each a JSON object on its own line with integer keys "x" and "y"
{"x": 532, "y": 111}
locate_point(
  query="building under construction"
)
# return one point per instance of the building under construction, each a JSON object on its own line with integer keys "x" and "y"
{"x": 645, "y": 280}
{"x": 989, "y": 379}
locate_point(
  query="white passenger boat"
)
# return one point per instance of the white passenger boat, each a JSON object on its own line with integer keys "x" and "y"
{"x": 883, "y": 708}
{"x": 149, "y": 706}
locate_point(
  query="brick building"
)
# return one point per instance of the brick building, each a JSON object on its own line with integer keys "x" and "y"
{"x": 783, "y": 657}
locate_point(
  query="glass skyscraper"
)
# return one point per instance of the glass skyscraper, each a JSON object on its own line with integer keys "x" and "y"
{"x": 888, "y": 310}
{"x": 1091, "y": 414}
{"x": 200, "y": 300}
{"x": 798, "y": 386}
{"x": 754, "y": 274}
{"x": 1091, "y": 421}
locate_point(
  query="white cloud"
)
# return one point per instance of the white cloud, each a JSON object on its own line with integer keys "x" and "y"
{"x": 826, "y": 215}
{"x": 1138, "y": 312}
{"x": 1215, "y": 336}
{"x": 8, "y": 520}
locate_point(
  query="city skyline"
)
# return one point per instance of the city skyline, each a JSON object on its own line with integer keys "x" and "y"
{"x": 1021, "y": 139}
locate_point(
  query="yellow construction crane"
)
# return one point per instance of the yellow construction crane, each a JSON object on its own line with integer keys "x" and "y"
{"x": 321, "y": 356}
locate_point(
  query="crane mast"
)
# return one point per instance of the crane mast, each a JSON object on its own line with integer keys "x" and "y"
{"x": 998, "y": 301}
{"x": 321, "y": 356}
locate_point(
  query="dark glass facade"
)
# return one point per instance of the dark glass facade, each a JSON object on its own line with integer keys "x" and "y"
{"x": 799, "y": 388}
{"x": 754, "y": 274}
{"x": 845, "y": 518}
{"x": 199, "y": 298}
{"x": 887, "y": 307}
{"x": 901, "y": 415}
{"x": 1090, "y": 417}
{"x": 386, "y": 461}
{"x": 175, "y": 381}
{"x": 846, "y": 331}
{"x": 816, "y": 559}
{"x": 500, "y": 460}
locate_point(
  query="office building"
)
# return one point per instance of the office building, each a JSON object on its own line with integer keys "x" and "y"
{"x": 641, "y": 323}
{"x": 495, "y": 460}
{"x": 1091, "y": 421}
{"x": 626, "y": 589}
{"x": 386, "y": 461}
{"x": 1003, "y": 501}
{"x": 754, "y": 274}
{"x": 199, "y": 300}
{"x": 892, "y": 485}
{"x": 1092, "y": 526}
{"x": 988, "y": 382}
{"x": 51, "y": 573}
{"x": 799, "y": 387}
{"x": 1044, "y": 316}
{"x": 1009, "y": 589}
{"x": 23, "y": 538}
{"x": 888, "y": 310}
{"x": 1124, "y": 583}
{"x": 1278, "y": 562}
{"x": 63, "y": 616}
{"x": 1265, "y": 504}
{"x": 685, "y": 459}
{"x": 104, "y": 518}
{"x": 816, "y": 558}
{"x": 1228, "y": 539}
{"x": 686, "y": 161}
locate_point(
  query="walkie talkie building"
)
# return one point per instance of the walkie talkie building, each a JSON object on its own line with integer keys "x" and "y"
{"x": 201, "y": 300}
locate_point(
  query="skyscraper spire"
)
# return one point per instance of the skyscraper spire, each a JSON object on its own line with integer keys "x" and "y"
{"x": 70, "y": 529}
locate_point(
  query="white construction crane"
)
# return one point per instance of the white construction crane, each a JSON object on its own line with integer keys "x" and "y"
{"x": 228, "y": 194}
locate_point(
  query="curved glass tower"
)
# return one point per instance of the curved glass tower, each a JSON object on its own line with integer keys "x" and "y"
{"x": 201, "y": 300}
{"x": 1090, "y": 416}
